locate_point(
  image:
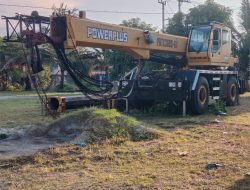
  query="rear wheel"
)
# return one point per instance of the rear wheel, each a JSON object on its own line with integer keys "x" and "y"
{"x": 232, "y": 92}
{"x": 200, "y": 98}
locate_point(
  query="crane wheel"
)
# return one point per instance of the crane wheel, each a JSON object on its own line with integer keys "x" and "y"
{"x": 232, "y": 92}
{"x": 200, "y": 98}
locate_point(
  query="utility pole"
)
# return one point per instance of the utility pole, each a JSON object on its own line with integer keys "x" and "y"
{"x": 180, "y": 2}
{"x": 163, "y": 3}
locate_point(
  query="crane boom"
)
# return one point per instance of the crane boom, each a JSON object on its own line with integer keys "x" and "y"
{"x": 75, "y": 31}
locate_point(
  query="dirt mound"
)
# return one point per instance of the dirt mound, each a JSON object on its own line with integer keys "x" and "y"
{"x": 86, "y": 126}
{"x": 95, "y": 125}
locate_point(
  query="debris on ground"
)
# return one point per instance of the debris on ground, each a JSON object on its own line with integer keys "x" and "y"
{"x": 248, "y": 174}
{"x": 216, "y": 121}
{"x": 80, "y": 143}
{"x": 211, "y": 166}
{"x": 221, "y": 113}
{"x": 185, "y": 153}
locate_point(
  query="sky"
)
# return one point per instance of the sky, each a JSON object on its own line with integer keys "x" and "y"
{"x": 138, "y": 6}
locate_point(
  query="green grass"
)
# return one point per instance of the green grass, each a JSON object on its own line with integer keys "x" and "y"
{"x": 24, "y": 111}
{"x": 240, "y": 114}
{"x": 21, "y": 112}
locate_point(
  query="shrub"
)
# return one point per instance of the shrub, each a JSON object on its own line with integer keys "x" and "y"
{"x": 218, "y": 106}
{"x": 45, "y": 77}
{"x": 16, "y": 76}
{"x": 16, "y": 87}
{"x": 164, "y": 108}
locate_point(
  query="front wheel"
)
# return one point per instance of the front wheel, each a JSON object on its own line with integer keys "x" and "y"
{"x": 200, "y": 98}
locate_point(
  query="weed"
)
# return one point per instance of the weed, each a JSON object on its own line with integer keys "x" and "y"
{"x": 162, "y": 108}
{"x": 218, "y": 106}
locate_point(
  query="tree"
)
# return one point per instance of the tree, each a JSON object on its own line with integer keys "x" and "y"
{"x": 208, "y": 12}
{"x": 138, "y": 23}
{"x": 176, "y": 25}
{"x": 121, "y": 61}
{"x": 244, "y": 49}
{"x": 205, "y": 13}
{"x": 245, "y": 15}
{"x": 84, "y": 59}
{"x": 11, "y": 54}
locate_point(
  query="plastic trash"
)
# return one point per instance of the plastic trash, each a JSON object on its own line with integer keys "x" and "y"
{"x": 185, "y": 153}
{"x": 211, "y": 166}
{"x": 80, "y": 143}
{"x": 221, "y": 113}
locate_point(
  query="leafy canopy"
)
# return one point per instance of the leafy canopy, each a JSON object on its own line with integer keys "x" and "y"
{"x": 208, "y": 12}
{"x": 176, "y": 25}
{"x": 245, "y": 15}
{"x": 138, "y": 23}
{"x": 244, "y": 50}
{"x": 121, "y": 61}
{"x": 204, "y": 13}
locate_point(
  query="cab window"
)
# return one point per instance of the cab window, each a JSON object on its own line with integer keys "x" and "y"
{"x": 199, "y": 39}
{"x": 225, "y": 37}
{"x": 216, "y": 40}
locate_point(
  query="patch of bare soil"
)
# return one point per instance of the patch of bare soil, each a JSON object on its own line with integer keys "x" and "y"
{"x": 24, "y": 142}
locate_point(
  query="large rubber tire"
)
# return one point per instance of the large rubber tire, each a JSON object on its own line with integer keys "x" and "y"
{"x": 232, "y": 92}
{"x": 200, "y": 97}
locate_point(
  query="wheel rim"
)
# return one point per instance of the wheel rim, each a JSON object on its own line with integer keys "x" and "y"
{"x": 202, "y": 95}
{"x": 233, "y": 91}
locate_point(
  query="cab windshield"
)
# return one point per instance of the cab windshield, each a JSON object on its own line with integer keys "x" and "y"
{"x": 199, "y": 39}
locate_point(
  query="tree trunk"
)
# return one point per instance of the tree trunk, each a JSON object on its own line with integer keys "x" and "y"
{"x": 5, "y": 80}
{"x": 3, "y": 77}
{"x": 62, "y": 79}
{"x": 28, "y": 85}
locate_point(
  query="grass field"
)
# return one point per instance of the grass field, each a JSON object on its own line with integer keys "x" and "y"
{"x": 21, "y": 112}
{"x": 175, "y": 160}
{"x": 23, "y": 109}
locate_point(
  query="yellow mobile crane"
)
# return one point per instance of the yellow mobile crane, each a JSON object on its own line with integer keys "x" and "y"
{"x": 207, "y": 45}
{"x": 203, "y": 62}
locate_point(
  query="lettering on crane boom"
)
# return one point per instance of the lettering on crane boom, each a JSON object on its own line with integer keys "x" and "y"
{"x": 105, "y": 34}
{"x": 167, "y": 43}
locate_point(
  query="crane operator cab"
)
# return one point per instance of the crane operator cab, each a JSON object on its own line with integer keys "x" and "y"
{"x": 210, "y": 45}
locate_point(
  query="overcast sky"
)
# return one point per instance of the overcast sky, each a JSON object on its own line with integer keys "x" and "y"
{"x": 140, "y": 6}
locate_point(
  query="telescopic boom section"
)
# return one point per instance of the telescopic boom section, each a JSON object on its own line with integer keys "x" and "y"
{"x": 75, "y": 31}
